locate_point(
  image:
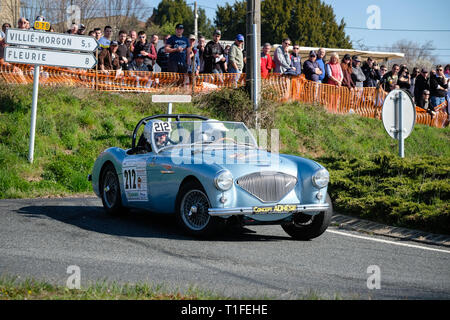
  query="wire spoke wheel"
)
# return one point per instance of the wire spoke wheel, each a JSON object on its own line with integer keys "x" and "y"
{"x": 194, "y": 210}
{"x": 110, "y": 189}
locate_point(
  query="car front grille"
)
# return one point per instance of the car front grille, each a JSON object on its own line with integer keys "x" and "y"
{"x": 268, "y": 186}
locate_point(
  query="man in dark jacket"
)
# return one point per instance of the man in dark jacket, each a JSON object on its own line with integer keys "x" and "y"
{"x": 143, "y": 47}
{"x": 163, "y": 57}
{"x": 421, "y": 84}
{"x": 213, "y": 55}
{"x": 123, "y": 51}
{"x": 311, "y": 68}
{"x": 372, "y": 72}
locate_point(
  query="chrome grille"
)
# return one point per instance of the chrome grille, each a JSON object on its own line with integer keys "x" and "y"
{"x": 268, "y": 186}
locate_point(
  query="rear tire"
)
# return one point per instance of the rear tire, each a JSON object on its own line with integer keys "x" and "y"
{"x": 192, "y": 211}
{"x": 303, "y": 228}
{"x": 110, "y": 191}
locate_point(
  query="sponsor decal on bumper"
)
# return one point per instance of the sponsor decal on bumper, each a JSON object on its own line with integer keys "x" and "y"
{"x": 276, "y": 209}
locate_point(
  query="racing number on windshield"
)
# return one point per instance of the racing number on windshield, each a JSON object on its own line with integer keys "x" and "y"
{"x": 130, "y": 179}
{"x": 161, "y": 127}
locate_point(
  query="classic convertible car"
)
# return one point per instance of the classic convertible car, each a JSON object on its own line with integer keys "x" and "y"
{"x": 210, "y": 173}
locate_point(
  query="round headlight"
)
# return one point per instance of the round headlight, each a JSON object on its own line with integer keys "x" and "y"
{"x": 224, "y": 180}
{"x": 321, "y": 178}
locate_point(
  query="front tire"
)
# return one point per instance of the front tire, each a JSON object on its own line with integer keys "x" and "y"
{"x": 305, "y": 228}
{"x": 110, "y": 191}
{"x": 192, "y": 211}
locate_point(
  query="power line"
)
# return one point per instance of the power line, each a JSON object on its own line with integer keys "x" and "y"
{"x": 90, "y": 9}
{"x": 396, "y": 48}
{"x": 399, "y": 30}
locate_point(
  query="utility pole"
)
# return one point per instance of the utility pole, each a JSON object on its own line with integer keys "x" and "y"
{"x": 194, "y": 67}
{"x": 195, "y": 21}
{"x": 253, "y": 45}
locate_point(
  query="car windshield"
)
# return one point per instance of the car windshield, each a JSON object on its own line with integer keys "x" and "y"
{"x": 217, "y": 134}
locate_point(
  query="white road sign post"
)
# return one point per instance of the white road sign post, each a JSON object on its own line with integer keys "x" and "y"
{"x": 28, "y": 52}
{"x": 399, "y": 117}
{"x": 51, "y": 40}
{"x": 50, "y": 57}
{"x": 171, "y": 99}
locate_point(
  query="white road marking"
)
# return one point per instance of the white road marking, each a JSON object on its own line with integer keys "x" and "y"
{"x": 387, "y": 241}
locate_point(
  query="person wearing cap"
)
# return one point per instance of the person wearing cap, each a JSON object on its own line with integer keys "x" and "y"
{"x": 108, "y": 59}
{"x": 311, "y": 68}
{"x": 81, "y": 29}
{"x": 358, "y": 76}
{"x": 177, "y": 47}
{"x": 346, "y": 66}
{"x": 421, "y": 84}
{"x": 372, "y": 72}
{"x": 282, "y": 59}
{"x": 138, "y": 64}
{"x": 213, "y": 55}
{"x": 194, "y": 58}
{"x": 236, "y": 57}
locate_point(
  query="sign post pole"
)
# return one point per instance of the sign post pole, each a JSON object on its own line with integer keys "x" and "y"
{"x": 401, "y": 141}
{"x": 28, "y": 51}
{"x": 399, "y": 116}
{"x": 33, "y": 112}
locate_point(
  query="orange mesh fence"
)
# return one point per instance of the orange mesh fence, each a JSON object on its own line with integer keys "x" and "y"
{"x": 366, "y": 102}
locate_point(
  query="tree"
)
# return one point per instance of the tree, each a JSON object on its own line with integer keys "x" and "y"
{"x": 172, "y": 12}
{"x": 230, "y": 19}
{"x": 306, "y": 22}
{"x": 416, "y": 54}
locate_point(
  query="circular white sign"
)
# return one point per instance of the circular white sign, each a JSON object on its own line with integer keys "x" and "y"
{"x": 391, "y": 113}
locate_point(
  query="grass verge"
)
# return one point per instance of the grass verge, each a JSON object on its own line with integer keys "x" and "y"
{"x": 13, "y": 289}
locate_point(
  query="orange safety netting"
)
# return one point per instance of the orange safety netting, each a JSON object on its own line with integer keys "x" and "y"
{"x": 366, "y": 102}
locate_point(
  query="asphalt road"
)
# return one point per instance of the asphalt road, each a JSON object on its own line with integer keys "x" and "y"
{"x": 40, "y": 238}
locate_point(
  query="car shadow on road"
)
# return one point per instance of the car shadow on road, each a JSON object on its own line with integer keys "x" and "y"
{"x": 135, "y": 223}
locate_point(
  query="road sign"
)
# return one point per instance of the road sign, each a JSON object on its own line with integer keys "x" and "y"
{"x": 171, "y": 98}
{"x": 50, "y": 40}
{"x": 399, "y": 116}
{"x": 161, "y": 98}
{"x": 42, "y": 25}
{"x": 50, "y": 58}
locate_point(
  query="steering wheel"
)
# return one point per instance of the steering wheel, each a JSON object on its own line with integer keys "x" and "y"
{"x": 221, "y": 139}
{"x": 225, "y": 139}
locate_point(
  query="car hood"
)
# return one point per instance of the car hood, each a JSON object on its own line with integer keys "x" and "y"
{"x": 242, "y": 161}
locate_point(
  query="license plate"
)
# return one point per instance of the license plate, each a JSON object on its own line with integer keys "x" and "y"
{"x": 280, "y": 208}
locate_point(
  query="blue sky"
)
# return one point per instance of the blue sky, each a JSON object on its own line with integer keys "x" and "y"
{"x": 394, "y": 14}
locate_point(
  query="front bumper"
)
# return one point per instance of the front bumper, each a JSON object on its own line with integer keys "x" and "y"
{"x": 303, "y": 208}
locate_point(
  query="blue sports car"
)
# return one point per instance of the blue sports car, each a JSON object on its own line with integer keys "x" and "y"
{"x": 211, "y": 173}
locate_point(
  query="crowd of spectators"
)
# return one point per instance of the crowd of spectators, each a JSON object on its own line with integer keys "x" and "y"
{"x": 135, "y": 51}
